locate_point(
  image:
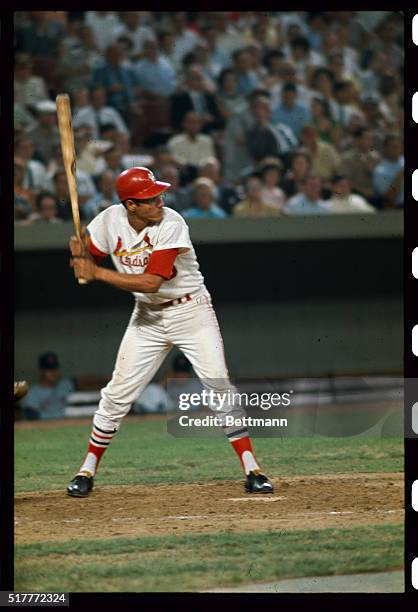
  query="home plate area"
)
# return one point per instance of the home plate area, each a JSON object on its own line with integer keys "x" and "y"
{"x": 302, "y": 502}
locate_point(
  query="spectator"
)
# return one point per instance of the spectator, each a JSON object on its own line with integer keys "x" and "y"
{"x": 23, "y": 197}
{"x": 350, "y": 55}
{"x": 303, "y": 58}
{"x": 202, "y": 58}
{"x": 190, "y": 147}
{"x": 322, "y": 82}
{"x": 34, "y": 176}
{"x": 358, "y": 163}
{"x": 288, "y": 74}
{"x": 162, "y": 156}
{"x": 226, "y": 195}
{"x": 344, "y": 95}
{"x": 204, "y": 205}
{"x": 195, "y": 97}
{"x": 155, "y": 76}
{"x": 236, "y": 153}
{"x": 105, "y": 197}
{"x": 326, "y": 126}
{"x": 103, "y": 24}
{"x": 176, "y": 197}
{"x": 388, "y": 33}
{"x": 318, "y": 27}
{"x": 89, "y": 153}
{"x": 299, "y": 170}
{"x": 133, "y": 30}
{"x": 38, "y": 35}
{"x": 289, "y": 112}
{"x": 60, "y": 190}
{"x": 45, "y": 134}
{"x": 390, "y": 91}
{"x": 263, "y": 36}
{"x": 256, "y": 52}
{"x": 180, "y": 380}
{"x": 388, "y": 176}
{"x": 373, "y": 118}
{"x": 46, "y": 208}
{"x": 79, "y": 100}
{"x": 167, "y": 46}
{"x": 113, "y": 159}
{"x": 335, "y": 62}
{"x": 185, "y": 39}
{"x": 47, "y": 398}
{"x": 229, "y": 102}
{"x": 325, "y": 158}
{"x": 247, "y": 79}
{"x": 273, "y": 62}
{"x": 344, "y": 201}
{"x": 271, "y": 193}
{"x": 154, "y": 400}
{"x": 254, "y": 205}
{"x": 77, "y": 60}
{"x": 376, "y": 64}
{"x": 265, "y": 138}
{"x": 118, "y": 81}
{"x": 85, "y": 189}
{"x": 308, "y": 201}
{"x": 28, "y": 89}
{"x": 97, "y": 114}
{"x": 229, "y": 38}
{"x": 22, "y": 118}
{"x": 218, "y": 57}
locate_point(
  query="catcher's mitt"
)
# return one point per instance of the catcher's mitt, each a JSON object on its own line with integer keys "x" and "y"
{"x": 21, "y": 387}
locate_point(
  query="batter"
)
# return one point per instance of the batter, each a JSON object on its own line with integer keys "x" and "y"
{"x": 154, "y": 259}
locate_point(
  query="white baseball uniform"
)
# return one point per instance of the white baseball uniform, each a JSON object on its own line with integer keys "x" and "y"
{"x": 190, "y": 323}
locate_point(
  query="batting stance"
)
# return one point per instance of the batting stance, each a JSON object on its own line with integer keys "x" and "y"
{"x": 155, "y": 260}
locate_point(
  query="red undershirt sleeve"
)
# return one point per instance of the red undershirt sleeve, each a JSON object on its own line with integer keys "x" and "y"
{"x": 162, "y": 263}
{"x": 96, "y": 253}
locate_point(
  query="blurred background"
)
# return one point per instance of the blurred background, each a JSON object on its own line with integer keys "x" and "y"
{"x": 282, "y": 135}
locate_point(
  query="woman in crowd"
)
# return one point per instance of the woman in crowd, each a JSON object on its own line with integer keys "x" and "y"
{"x": 271, "y": 173}
{"x": 300, "y": 168}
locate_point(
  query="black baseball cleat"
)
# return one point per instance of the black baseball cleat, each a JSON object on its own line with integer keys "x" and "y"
{"x": 257, "y": 482}
{"x": 80, "y": 486}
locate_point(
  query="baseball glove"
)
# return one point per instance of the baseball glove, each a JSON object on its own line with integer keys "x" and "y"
{"x": 21, "y": 387}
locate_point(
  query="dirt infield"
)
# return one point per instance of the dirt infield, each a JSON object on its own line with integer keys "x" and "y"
{"x": 315, "y": 502}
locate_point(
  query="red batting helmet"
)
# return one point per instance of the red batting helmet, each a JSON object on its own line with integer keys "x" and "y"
{"x": 138, "y": 183}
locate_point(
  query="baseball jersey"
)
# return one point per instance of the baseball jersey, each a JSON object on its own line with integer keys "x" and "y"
{"x": 111, "y": 234}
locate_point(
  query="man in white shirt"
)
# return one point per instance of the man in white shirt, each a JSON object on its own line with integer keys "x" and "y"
{"x": 343, "y": 201}
{"x": 97, "y": 114}
{"x": 132, "y": 29}
{"x": 190, "y": 147}
{"x": 103, "y": 24}
{"x": 155, "y": 260}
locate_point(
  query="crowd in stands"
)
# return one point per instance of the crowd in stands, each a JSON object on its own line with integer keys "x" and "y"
{"x": 246, "y": 113}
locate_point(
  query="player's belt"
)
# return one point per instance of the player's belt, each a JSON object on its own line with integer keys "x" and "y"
{"x": 180, "y": 300}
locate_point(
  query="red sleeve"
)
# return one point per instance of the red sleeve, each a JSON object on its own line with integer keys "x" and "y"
{"x": 162, "y": 263}
{"x": 96, "y": 253}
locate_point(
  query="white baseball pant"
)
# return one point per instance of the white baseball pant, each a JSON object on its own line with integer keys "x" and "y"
{"x": 192, "y": 327}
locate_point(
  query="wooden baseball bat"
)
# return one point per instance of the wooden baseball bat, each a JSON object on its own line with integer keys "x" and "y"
{"x": 65, "y": 126}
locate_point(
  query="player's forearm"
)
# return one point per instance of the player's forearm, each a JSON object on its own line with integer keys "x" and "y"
{"x": 142, "y": 283}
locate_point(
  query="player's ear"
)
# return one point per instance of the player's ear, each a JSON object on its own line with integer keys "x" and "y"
{"x": 130, "y": 205}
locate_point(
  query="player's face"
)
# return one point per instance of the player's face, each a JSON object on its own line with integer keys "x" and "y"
{"x": 150, "y": 210}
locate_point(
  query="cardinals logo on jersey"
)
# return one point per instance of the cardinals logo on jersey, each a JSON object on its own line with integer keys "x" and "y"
{"x": 132, "y": 258}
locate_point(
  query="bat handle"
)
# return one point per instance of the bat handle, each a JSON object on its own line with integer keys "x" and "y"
{"x": 82, "y": 281}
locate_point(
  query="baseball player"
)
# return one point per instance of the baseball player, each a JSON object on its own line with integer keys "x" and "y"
{"x": 155, "y": 260}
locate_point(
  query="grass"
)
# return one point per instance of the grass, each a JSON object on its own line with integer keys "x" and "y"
{"x": 45, "y": 458}
{"x": 200, "y": 562}
{"x": 143, "y": 452}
